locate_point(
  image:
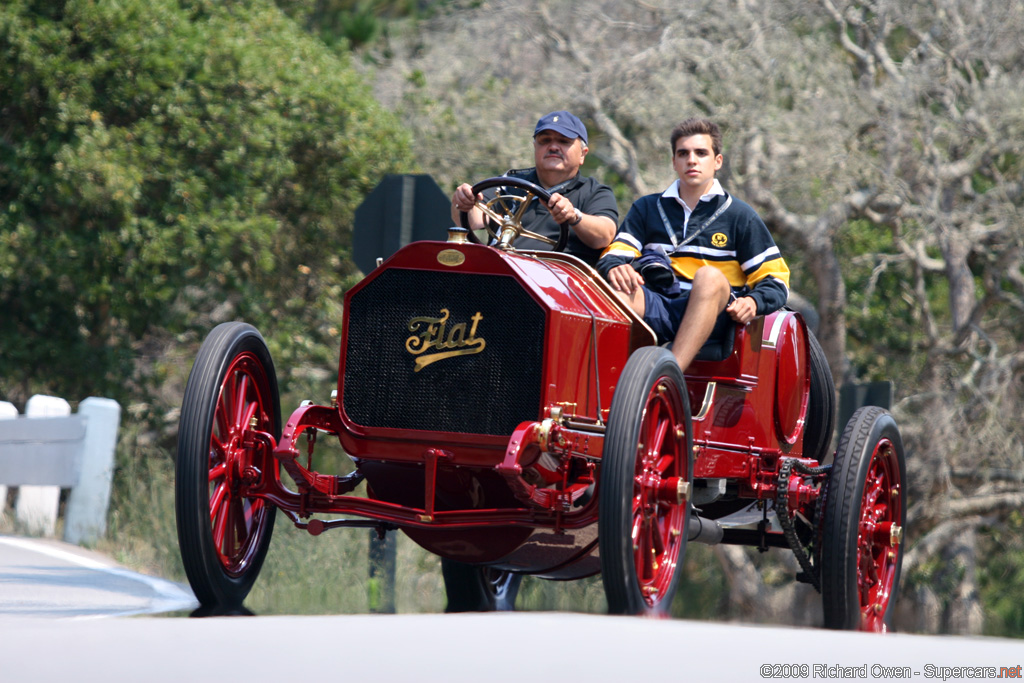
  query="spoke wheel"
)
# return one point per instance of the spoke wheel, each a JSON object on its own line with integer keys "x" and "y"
{"x": 644, "y": 485}
{"x": 471, "y": 588}
{"x": 864, "y": 518}
{"x": 222, "y": 533}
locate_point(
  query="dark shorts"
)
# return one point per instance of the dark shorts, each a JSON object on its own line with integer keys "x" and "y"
{"x": 664, "y": 313}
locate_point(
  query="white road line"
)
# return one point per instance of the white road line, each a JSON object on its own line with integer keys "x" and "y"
{"x": 169, "y": 596}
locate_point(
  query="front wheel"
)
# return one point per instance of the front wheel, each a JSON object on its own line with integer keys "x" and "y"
{"x": 644, "y": 485}
{"x": 471, "y": 588}
{"x": 864, "y": 518}
{"x": 223, "y": 534}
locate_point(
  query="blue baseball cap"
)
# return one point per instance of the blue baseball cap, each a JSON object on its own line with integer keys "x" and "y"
{"x": 562, "y": 122}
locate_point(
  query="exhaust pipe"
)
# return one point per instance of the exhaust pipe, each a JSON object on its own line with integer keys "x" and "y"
{"x": 702, "y": 530}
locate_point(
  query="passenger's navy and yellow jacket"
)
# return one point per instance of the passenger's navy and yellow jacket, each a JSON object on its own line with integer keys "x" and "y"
{"x": 737, "y": 243}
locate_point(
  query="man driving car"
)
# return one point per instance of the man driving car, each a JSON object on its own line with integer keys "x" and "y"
{"x": 589, "y": 207}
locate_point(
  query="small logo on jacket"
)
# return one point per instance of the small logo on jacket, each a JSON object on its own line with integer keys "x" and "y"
{"x": 432, "y": 341}
{"x": 719, "y": 239}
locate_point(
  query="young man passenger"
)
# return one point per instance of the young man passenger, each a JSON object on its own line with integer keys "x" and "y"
{"x": 590, "y": 209}
{"x": 721, "y": 261}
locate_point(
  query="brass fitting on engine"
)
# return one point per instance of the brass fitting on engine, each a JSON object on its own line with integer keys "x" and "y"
{"x": 458, "y": 235}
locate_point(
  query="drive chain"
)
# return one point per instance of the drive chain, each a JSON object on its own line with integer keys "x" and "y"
{"x": 810, "y": 573}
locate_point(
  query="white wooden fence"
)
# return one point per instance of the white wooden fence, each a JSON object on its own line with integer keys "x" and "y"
{"x": 48, "y": 449}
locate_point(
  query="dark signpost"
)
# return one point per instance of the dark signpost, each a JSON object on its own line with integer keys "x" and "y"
{"x": 400, "y": 210}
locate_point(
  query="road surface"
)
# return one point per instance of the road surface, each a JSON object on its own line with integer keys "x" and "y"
{"x": 64, "y": 619}
{"x": 43, "y": 578}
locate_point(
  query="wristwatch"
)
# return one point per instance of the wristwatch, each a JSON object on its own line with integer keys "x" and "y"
{"x": 579, "y": 217}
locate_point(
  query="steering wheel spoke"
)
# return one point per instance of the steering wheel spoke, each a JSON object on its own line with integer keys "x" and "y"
{"x": 538, "y": 237}
{"x": 524, "y": 204}
{"x": 492, "y": 215}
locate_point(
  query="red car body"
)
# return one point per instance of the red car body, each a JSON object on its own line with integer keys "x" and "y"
{"x": 509, "y": 413}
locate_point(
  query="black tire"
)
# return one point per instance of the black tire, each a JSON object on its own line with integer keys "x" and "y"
{"x": 864, "y": 519}
{"x": 232, "y": 381}
{"x": 472, "y": 588}
{"x": 821, "y": 410}
{"x": 643, "y": 485}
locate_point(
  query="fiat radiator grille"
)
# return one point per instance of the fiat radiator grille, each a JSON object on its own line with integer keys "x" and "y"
{"x": 448, "y": 352}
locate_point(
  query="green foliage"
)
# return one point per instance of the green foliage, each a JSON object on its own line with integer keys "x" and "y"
{"x": 344, "y": 24}
{"x": 1002, "y": 578}
{"x": 703, "y": 591}
{"x": 883, "y": 331}
{"x": 161, "y": 159}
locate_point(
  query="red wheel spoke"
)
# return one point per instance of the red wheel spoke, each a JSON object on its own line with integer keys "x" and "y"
{"x": 231, "y": 528}
{"x": 660, "y": 428}
{"x": 657, "y": 539}
{"x": 218, "y": 449}
{"x": 664, "y": 465}
{"x": 230, "y": 394}
{"x": 235, "y": 520}
{"x": 221, "y": 427}
{"x": 646, "y": 550}
{"x": 217, "y": 472}
{"x": 238, "y": 525}
{"x": 216, "y": 500}
{"x": 253, "y": 511}
{"x": 250, "y": 411}
{"x": 219, "y": 518}
{"x": 870, "y": 569}
{"x": 638, "y": 545}
{"x": 239, "y": 402}
{"x": 227, "y": 404}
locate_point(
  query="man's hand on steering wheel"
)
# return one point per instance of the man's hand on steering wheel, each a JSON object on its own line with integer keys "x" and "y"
{"x": 463, "y": 198}
{"x": 562, "y": 209}
{"x": 463, "y": 202}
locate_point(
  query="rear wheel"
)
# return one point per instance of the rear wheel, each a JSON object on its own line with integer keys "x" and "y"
{"x": 862, "y": 535}
{"x": 471, "y": 588}
{"x": 821, "y": 410}
{"x": 644, "y": 485}
{"x": 224, "y": 535}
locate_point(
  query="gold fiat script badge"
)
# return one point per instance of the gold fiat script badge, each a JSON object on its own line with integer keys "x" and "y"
{"x": 431, "y": 340}
{"x": 451, "y": 257}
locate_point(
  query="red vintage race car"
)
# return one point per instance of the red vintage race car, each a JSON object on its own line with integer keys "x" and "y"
{"x": 509, "y": 413}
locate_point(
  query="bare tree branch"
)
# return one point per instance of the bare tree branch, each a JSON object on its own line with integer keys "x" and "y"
{"x": 982, "y": 505}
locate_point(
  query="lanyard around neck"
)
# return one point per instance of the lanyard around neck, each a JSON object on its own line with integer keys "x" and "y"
{"x": 672, "y": 233}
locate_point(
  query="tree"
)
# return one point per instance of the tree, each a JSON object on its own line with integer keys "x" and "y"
{"x": 166, "y": 163}
{"x": 881, "y": 142}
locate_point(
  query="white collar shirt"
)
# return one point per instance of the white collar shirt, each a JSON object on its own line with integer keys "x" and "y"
{"x": 673, "y": 193}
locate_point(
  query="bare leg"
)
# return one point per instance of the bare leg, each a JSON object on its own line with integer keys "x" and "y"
{"x": 635, "y": 300}
{"x": 708, "y": 298}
